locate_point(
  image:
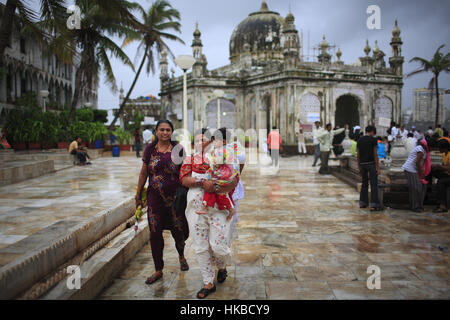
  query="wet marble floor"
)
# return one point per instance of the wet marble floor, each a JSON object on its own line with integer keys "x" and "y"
{"x": 303, "y": 236}
{"x": 30, "y": 206}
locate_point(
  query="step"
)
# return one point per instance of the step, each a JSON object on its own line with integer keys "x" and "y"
{"x": 104, "y": 266}
{"x": 26, "y": 262}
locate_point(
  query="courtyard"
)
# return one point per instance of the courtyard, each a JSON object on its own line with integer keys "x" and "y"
{"x": 303, "y": 236}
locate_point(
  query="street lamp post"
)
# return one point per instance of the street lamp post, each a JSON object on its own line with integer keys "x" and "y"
{"x": 185, "y": 62}
{"x": 44, "y": 94}
{"x": 218, "y": 94}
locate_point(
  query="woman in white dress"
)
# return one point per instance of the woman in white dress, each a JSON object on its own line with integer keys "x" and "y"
{"x": 211, "y": 231}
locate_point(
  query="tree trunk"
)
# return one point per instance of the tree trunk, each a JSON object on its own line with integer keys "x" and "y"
{"x": 122, "y": 106}
{"x": 76, "y": 94}
{"x": 436, "y": 122}
{"x": 6, "y": 27}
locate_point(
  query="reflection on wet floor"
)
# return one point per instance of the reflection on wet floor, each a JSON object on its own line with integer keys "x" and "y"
{"x": 302, "y": 236}
{"x": 30, "y": 206}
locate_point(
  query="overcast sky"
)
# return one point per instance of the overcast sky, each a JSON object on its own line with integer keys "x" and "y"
{"x": 424, "y": 26}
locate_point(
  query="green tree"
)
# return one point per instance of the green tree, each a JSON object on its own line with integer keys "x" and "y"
{"x": 436, "y": 65}
{"x": 17, "y": 13}
{"x": 91, "y": 45}
{"x": 157, "y": 22}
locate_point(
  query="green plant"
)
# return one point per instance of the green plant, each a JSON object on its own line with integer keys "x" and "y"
{"x": 100, "y": 115}
{"x": 79, "y": 128}
{"x": 64, "y": 135}
{"x": 101, "y": 131}
{"x": 37, "y": 131}
{"x": 122, "y": 136}
{"x": 51, "y": 127}
{"x": 84, "y": 114}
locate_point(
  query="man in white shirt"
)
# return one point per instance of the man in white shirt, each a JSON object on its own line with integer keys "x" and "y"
{"x": 403, "y": 133}
{"x": 394, "y": 131}
{"x": 316, "y": 131}
{"x": 410, "y": 143}
{"x": 148, "y": 137}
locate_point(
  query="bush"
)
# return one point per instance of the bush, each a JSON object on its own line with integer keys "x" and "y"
{"x": 122, "y": 136}
{"x": 100, "y": 115}
{"x": 84, "y": 114}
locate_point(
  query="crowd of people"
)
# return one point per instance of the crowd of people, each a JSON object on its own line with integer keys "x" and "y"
{"x": 372, "y": 150}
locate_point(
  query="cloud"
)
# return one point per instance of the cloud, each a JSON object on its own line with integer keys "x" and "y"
{"x": 424, "y": 24}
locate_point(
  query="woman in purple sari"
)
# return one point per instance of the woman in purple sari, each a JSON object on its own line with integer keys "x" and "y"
{"x": 163, "y": 182}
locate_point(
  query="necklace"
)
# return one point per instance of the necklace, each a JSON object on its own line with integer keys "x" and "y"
{"x": 165, "y": 150}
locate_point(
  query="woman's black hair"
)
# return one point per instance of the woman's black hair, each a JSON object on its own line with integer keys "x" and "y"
{"x": 164, "y": 121}
{"x": 222, "y": 132}
{"x": 204, "y": 131}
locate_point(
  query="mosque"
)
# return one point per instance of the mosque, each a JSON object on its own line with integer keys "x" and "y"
{"x": 268, "y": 82}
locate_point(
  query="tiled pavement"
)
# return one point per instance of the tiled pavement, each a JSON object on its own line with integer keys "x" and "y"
{"x": 302, "y": 236}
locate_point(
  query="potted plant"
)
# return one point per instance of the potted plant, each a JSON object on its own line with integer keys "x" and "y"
{"x": 100, "y": 133}
{"x": 50, "y": 130}
{"x": 91, "y": 129}
{"x": 20, "y": 136}
{"x": 36, "y": 133}
{"x": 64, "y": 138}
{"x": 123, "y": 138}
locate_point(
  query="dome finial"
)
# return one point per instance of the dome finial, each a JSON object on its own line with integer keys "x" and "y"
{"x": 339, "y": 54}
{"x": 367, "y": 48}
{"x": 264, "y": 6}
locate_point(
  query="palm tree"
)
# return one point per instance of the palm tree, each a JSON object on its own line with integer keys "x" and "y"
{"x": 160, "y": 18}
{"x": 100, "y": 20}
{"x": 439, "y": 63}
{"x": 51, "y": 10}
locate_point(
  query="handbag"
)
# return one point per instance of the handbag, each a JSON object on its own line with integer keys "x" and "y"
{"x": 180, "y": 202}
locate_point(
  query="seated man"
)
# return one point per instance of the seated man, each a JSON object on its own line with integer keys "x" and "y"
{"x": 80, "y": 153}
{"x": 442, "y": 172}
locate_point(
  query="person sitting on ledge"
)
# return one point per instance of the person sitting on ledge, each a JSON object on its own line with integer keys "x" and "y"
{"x": 81, "y": 154}
{"x": 3, "y": 142}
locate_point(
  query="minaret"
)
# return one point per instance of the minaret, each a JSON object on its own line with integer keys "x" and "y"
{"x": 197, "y": 69}
{"x": 396, "y": 61}
{"x": 366, "y": 61}
{"x": 324, "y": 57}
{"x": 164, "y": 65}
{"x": 291, "y": 48}
{"x": 378, "y": 57}
{"x": 338, "y": 55}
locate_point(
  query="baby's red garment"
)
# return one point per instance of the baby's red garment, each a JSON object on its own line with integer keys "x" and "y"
{"x": 222, "y": 200}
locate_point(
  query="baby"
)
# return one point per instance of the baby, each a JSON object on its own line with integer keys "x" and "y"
{"x": 222, "y": 172}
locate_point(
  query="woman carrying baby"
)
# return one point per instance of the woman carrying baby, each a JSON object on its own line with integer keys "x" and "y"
{"x": 209, "y": 226}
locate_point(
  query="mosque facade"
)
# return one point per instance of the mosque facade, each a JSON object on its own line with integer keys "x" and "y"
{"x": 268, "y": 82}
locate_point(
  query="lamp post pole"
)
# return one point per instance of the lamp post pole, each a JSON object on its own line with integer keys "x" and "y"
{"x": 185, "y": 123}
{"x": 185, "y": 62}
{"x": 219, "y": 94}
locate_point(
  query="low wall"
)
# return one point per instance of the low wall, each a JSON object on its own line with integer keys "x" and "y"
{"x": 43, "y": 252}
{"x": 13, "y": 171}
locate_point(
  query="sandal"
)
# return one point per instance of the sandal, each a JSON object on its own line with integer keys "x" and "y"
{"x": 184, "y": 265}
{"x": 440, "y": 210}
{"x": 222, "y": 276}
{"x": 205, "y": 292}
{"x": 375, "y": 209}
{"x": 153, "y": 278}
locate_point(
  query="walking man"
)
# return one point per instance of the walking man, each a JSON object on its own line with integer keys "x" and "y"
{"x": 369, "y": 169}
{"x": 316, "y": 131}
{"x": 326, "y": 139}
{"x": 274, "y": 145}
{"x": 148, "y": 136}
{"x": 301, "y": 142}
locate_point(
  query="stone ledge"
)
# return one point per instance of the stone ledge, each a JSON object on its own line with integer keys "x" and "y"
{"x": 104, "y": 266}
{"x": 38, "y": 255}
{"x": 17, "y": 171}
